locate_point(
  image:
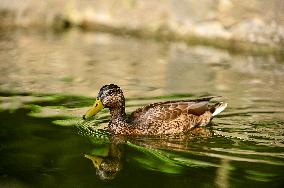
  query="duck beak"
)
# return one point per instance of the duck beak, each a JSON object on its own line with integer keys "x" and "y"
{"x": 95, "y": 159}
{"x": 98, "y": 106}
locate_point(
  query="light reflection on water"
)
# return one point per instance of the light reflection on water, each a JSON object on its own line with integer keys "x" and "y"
{"x": 244, "y": 146}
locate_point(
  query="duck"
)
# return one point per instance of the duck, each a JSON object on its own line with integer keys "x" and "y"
{"x": 161, "y": 118}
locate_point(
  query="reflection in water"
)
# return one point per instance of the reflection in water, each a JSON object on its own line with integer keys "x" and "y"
{"x": 222, "y": 176}
{"x": 108, "y": 167}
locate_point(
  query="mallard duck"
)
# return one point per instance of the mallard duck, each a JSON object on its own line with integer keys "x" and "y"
{"x": 171, "y": 117}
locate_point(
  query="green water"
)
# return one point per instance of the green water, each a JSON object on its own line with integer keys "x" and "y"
{"x": 48, "y": 81}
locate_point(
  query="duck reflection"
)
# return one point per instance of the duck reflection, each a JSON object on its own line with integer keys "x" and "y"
{"x": 109, "y": 167}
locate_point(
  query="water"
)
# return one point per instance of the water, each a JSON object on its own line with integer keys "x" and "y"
{"x": 48, "y": 80}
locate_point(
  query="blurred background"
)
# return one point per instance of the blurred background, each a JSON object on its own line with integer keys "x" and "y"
{"x": 254, "y": 21}
{"x": 76, "y": 46}
{"x": 56, "y": 54}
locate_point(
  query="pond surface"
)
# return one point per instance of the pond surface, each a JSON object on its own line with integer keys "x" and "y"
{"x": 48, "y": 81}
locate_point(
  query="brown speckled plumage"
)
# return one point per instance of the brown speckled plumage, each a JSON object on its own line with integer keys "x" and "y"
{"x": 171, "y": 117}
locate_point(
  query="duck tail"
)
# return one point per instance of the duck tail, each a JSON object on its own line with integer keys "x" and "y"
{"x": 218, "y": 108}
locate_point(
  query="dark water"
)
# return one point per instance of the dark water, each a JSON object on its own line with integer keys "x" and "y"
{"x": 48, "y": 81}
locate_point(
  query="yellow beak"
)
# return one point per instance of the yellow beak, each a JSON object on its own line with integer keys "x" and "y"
{"x": 95, "y": 159}
{"x": 98, "y": 106}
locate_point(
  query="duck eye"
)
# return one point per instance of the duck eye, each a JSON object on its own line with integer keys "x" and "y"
{"x": 108, "y": 93}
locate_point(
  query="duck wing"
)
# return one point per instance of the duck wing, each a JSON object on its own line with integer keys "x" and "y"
{"x": 170, "y": 110}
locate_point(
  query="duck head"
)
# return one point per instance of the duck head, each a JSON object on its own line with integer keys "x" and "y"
{"x": 110, "y": 96}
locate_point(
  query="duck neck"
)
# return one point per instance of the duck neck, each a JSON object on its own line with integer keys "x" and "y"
{"x": 118, "y": 113}
{"x": 118, "y": 123}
